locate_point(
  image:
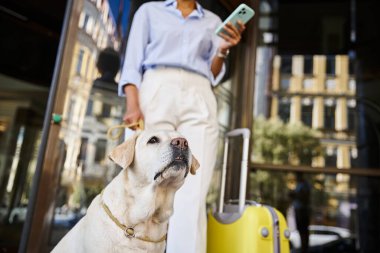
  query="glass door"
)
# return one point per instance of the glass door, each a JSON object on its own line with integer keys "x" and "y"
{"x": 75, "y": 167}
{"x": 58, "y": 97}
{"x": 30, "y": 33}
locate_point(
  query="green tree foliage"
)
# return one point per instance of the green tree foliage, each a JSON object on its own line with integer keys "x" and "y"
{"x": 275, "y": 142}
{"x": 279, "y": 143}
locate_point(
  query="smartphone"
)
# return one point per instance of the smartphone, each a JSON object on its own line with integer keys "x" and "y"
{"x": 243, "y": 13}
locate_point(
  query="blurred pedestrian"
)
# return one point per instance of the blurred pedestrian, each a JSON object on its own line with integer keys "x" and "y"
{"x": 301, "y": 205}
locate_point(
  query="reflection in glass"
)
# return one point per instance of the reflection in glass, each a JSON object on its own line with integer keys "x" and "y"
{"x": 284, "y": 109}
{"x": 329, "y": 114}
{"x": 308, "y": 65}
{"x": 286, "y": 65}
{"x": 307, "y": 112}
{"x": 21, "y": 118}
{"x": 331, "y": 109}
{"x": 332, "y": 208}
{"x": 308, "y": 84}
{"x": 330, "y": 65}
{"x": 311, "y": 124}
{"x": 351, "y": 117}
{"x": 285, "y": 84}
{"x": 92, "y": 107}
{"x": 331, "y": 157}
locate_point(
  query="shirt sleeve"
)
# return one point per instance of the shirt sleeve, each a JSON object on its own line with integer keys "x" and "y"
{"x": 135, "y": 53}
{"x": 216, "y": 41}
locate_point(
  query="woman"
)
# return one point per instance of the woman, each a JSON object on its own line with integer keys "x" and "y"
{"x": 173, "y": 58}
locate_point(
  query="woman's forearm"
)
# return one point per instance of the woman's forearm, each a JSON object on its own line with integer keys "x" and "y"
{"x": 217, "y": 62}
{"x": 131, "y": 95}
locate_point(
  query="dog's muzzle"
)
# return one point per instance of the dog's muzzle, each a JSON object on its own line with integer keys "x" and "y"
{"x": 180, "y": 156}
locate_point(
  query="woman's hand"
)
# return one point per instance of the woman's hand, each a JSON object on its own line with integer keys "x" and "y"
{"x": 132, "y": 115}
{"x": 133, "y": 111}
{"x": 233, "y": 37}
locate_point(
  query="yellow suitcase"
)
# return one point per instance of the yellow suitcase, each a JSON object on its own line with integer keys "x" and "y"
{"x": 245, "y": 226}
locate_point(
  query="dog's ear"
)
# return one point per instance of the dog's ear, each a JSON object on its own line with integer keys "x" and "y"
{"x": 194, "y": 165}
{"x": 123, "y": 154}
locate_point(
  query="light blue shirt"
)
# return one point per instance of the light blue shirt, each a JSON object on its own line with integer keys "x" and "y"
{"x": 161, "y": 36}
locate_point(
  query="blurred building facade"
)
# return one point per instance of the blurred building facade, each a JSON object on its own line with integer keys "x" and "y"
{"x": 89, "y": 111}
{"x": 318, "y": 91}
{"x": 319, "y": 69}
{"x": 91, "y": 107}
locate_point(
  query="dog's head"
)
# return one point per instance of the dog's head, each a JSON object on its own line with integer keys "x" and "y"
{"x": 157, "y": 157}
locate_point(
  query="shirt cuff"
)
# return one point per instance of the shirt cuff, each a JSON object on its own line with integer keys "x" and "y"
{"x": 129, "y": 77}
{"x": 216, "y": 80}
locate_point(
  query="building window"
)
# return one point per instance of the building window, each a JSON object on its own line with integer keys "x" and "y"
{"x": 330, "y": 84}
{"x": 330, "y": 65}
{"x": 79, "y": 62}
{"x": 331, "y": 157}
{"x": 329, "y": 116}
{"x": 284, "y": 109}
{"x": 351, "y": 66}
{"x": 83, "y": 150}
{"x": 351, "y": 117}
{"x": 96, "y": 31}
{"x": 308, "y": 65}
{"x": 307, "y": 112}
{"x": 308, "y": 84}
{"x": 286, "y": 65}
{"x": 106, "y": 110}
{"x": 100, "y": 152}
{"x": 87, "y": 65}
{"x": 89, "y": 107}
{"x": 354, "y": 157}
{"x": 90, "y": 26}
{"x": 285, "y": 83}
{"x": 85, "y": 21}
{"x": 352, "y": 85}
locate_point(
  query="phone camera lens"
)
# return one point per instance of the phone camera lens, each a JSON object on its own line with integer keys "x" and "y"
{"x": 242, "y": 11}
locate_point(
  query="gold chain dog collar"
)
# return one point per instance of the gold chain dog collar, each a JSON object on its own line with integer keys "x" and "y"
{"x": 129, "y": 232}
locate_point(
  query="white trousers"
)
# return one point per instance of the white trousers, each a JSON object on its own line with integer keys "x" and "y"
{"x": 180, "y": 100}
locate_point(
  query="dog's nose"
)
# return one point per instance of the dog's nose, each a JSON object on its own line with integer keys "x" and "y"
{"x": 180, "y": 143}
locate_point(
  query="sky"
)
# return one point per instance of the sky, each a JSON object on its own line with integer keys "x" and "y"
{"x": 114, "y": 4}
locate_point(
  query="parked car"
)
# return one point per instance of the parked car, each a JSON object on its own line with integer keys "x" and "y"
{"x": 326, "y": 239}
{"x": 67, "y": 218}
{"x": 18, "y": 214}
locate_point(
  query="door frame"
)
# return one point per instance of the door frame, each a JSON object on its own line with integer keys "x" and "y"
{"x": 40, "y": 213}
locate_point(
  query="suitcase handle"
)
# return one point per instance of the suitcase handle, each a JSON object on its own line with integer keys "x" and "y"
{"x": 239, "y": 131}
{"x": 246, "y": 133}
{"x": 247, "y": 202}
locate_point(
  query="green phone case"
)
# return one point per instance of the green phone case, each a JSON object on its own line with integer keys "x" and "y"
{"x": 243, "y": 13}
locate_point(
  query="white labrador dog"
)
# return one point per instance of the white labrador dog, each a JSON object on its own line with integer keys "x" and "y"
{"x": 132, "y": 212}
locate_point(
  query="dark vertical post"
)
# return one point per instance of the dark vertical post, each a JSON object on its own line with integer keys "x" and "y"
{"x": 243, "y": 79}
{"x": 368, "y": 131}
{"x": 32, "y": 206}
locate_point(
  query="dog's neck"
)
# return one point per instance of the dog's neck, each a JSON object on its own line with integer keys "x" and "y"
{"x": 133, "y": 204}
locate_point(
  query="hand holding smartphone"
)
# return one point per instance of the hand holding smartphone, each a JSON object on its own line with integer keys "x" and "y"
{"x": 243, "y": 13}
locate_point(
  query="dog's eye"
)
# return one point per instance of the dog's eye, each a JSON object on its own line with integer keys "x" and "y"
{"x": 153, "y": 140}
